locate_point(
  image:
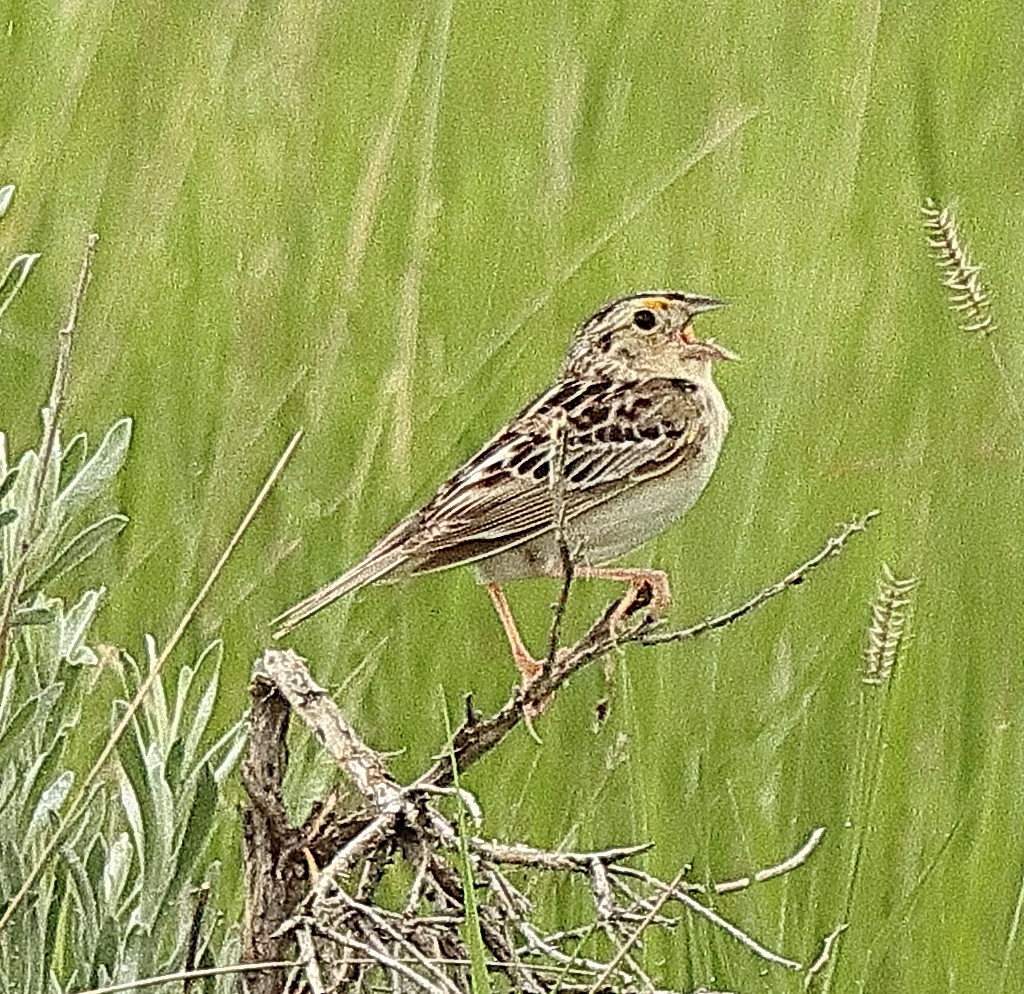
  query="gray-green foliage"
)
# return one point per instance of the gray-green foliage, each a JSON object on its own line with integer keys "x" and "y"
{"x": 115, "y": 899}
{"x": 18, "y": 268}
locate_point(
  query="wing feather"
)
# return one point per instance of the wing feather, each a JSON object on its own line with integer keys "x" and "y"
{"x": 617, "y": 435}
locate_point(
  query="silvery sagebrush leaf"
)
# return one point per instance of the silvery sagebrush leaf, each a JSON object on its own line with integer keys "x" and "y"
{"x": 14, "y": 278}
{"x": 97, "y": 471}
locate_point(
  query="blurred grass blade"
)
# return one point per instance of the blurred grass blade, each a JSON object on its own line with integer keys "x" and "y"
{"x": 77, "y": 551}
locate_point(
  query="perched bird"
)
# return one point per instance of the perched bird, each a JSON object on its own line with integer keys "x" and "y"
{"x": 636, "y": 423}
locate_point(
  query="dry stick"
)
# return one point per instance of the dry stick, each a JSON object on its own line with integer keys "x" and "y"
{"x": 51, "y": 421}
{"x": 473, "y": 742}
{"x": 455, "y": 961}
{"x": 292, "y": 983}
{"x": 610, "y": 921}
{"x": 615, "y": 932}
{"x": 832, "y": 548}
{"x": 349, "y": 853}
{"x": 786, "y": 866}
{"x": 825, "y": 955}
{"x": 556, "y": 476}
{"x": 370, "y": 912}
{"x": 312, "y": 965}
{"x": 515, "y": 907}
{"x": 519, "y": 854}
{"x": 600, "y": 885}
{"x": 364, "y": 766}
{"x": 186, "y": 975}
{"x": 367, "y": 768}
{"x": 684, "y": 898}
{"x": 683, "y": 890}
{"x": 154, "y": 674}
{"x": 640, "y": 929}
{"x": 516, "y": 912}
{"x": 376, "y": 955}
{"x": 287, "y": 671}
{"x": 537, "y": 943}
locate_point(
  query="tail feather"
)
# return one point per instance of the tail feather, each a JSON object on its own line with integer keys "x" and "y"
{"x": 374, "y": 567}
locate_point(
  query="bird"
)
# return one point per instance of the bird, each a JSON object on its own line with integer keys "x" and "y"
{"x": 628, "y": 436}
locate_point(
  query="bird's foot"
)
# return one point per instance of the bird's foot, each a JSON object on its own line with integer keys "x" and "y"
{"x": 647, "y": 588}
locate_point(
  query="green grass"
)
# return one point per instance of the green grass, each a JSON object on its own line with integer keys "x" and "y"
{"x": 382, "y": 224}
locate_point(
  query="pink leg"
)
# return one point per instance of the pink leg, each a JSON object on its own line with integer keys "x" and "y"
{"x": 655, "y": 579}
{"x": 529, "y": 667}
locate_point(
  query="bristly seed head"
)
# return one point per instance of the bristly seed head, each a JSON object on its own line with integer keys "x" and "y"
{"x": 968, "y": 299}
{"x": 890, "y": 612}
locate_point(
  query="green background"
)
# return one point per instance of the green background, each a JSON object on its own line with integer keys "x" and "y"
{"x": 381, "y": 222}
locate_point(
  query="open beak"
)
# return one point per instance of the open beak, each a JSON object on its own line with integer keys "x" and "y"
{"x": 698, "y": 305}
{"x": 716, "y": 351}
{"x": 711, "y": 349}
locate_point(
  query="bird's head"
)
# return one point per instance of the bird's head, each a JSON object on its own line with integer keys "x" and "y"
{"x": 645, "y": 335}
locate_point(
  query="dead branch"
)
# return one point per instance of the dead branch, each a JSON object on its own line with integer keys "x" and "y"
{"x": 356, "y": 941}
{"x": 274, "y": 878}
{"x": 286, "y": 671}
{"x": 335, "y": 916}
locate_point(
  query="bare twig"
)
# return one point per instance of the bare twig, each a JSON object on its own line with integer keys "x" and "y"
{"x": 601, "y": 887}
{"x": 537, "y": 944}
{"x": 51, "y": 423}
{"x": 677, "y": 893}
{"x": 832, "y": 547}
{"x": 373, "y": 915}
{"x": 354, "y": 850}
{"x": 556, "y": 478}
{"x": 476, "y": 739}
{"x": 411, "y": 947}
{"x": 523, "y": 855}
{"x": 786, "y": 866}
{"x": 378, "y": 956}
{"x": 311, "y": 963}
{"x": 365, "y": 767}
{"x": 274, "y": 876}
{"x": 187, "y": 975}
{"x": 640, "y": 929}
{"x": 824, "y": 956}
{"x": 394, "y": 940}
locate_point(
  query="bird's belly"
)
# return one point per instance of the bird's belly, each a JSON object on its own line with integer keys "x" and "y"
{"x": 631, "y": 519}
{"x": 610, "y": 530}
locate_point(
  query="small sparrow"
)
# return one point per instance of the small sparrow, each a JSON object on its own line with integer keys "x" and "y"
{"x": 636, "y": 422}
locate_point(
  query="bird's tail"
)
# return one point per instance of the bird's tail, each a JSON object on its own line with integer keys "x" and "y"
{"x": 373, "y": 567}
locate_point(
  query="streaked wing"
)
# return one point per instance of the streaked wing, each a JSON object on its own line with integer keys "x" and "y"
{"x": 616, "y": 435}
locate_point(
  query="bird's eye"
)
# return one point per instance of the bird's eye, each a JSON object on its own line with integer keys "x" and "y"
{"x": 644, "y": 319}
